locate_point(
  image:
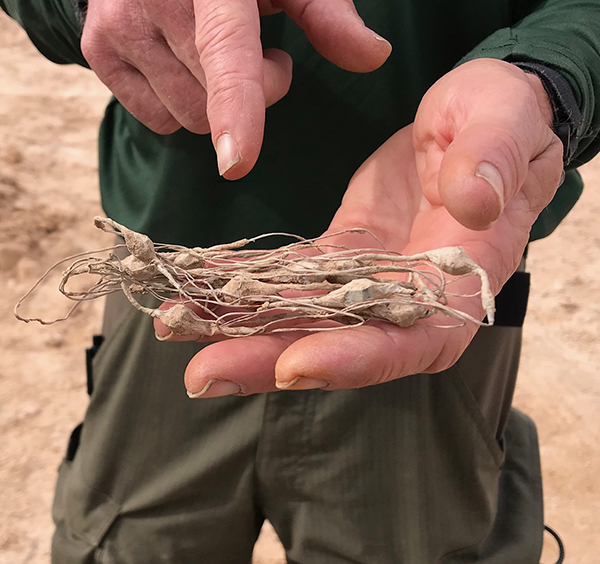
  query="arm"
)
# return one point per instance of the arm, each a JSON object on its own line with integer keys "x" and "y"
{"x": 52, "y": 26}
{"x": 564, "y": 35}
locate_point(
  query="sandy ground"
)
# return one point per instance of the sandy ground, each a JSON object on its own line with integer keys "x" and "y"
{"x": 48, "y": 193}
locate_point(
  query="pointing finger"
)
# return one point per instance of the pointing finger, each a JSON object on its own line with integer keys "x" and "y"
{"x": 228, "y": 43}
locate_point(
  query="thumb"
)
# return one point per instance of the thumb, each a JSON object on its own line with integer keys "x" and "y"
{"x": 482, "y": 133}
{"x": 482, "y": 170}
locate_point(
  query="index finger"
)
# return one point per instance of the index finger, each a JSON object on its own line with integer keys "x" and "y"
{"x": 230, "y": 51}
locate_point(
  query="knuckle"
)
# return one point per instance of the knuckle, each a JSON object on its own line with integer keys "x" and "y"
{"x": 90, "y": 48}
{"x": 269, "y": 7}
{"x": 94, "y": 42}
{"x": 111, "y": 70}
{"x": 155, "y": 116}
{"x": 311, "y": 14}
{"x": 115, "y": 27}
{"x": 194, "y": 120}
{"x": 162, "y": 123}
{"x": 306, "y": 13}
{"x": 199, "y": 127}
{"x": 165, "y": 128}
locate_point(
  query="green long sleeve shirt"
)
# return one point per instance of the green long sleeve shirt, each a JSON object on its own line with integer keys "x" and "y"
{"x": 331, "y": 120}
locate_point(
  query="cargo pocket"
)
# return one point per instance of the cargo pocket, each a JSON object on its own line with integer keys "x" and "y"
{"x": 482, "y": 427}
{"x": 465, "y": 466}
{"x": 517, "y": 533}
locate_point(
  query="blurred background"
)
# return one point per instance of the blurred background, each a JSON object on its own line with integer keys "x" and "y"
{"x": 49, "y": 118}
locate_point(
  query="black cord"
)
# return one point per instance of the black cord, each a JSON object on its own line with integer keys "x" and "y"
{"x": 561, "y": 546}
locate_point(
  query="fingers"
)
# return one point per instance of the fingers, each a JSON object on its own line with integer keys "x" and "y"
{"x": 247, "y": 365}
{"x": 240, "y": 85}
{"x": 221, "y": 81}
{"x": 131, "y": 56}
{"x": 379, "y": 353}
{"x": 345, "y": 359}
{"x": 336, "y": 30}
{"x": 146, "y": 91}
{"x": 277, "y": 65}
{"x": 160, "y": 66}
{"x": 293, "y": 361}
{"x": 134, "y": 92}
{"x": 126, "y": 82}
{"x": 187, "y": 102}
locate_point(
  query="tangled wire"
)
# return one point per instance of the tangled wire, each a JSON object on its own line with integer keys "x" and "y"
{"x": 310, "y": 284}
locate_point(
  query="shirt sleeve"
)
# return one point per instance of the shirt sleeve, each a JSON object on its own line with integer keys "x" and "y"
{"x": 565, "y": 35}
{"x": 52, "y": 25}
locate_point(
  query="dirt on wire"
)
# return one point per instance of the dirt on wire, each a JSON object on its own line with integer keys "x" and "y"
{"x": 49, "y": 117}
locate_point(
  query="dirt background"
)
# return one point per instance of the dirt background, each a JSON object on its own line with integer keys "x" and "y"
{"x": 49, "y": 117}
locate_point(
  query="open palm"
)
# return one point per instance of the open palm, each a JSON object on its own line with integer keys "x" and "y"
{"x": 425, "y": 188}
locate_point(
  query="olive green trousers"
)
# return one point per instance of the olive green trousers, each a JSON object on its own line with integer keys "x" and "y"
{"x": 424, "y": 469}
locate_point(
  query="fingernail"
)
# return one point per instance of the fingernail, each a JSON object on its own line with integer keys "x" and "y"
{"x": 491, "y": 174}
{"x": 216, "y": 389}
{"x": 228, "y": 153}
{"x": 164, "y": 337}
{"x": 381, "y": 39}
{"x": 302, "y": 383}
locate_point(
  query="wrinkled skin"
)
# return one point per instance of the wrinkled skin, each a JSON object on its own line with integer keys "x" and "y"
{"x": 199, "y": 64}
{"x": 425, "y": 188}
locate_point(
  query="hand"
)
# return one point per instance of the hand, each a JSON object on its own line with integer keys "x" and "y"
{"x": 200, "y": 64}
{"x": 476, "y": 169}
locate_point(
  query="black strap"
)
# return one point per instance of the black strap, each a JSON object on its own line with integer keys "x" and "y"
{"x": 511, "y": 302}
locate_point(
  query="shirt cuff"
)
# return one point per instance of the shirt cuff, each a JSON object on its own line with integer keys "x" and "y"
{"x": 567, "y": 115}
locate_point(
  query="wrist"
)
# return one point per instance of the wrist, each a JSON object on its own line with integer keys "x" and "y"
{"x": 566, "y": 115}
{"x": 544, "y": 103}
